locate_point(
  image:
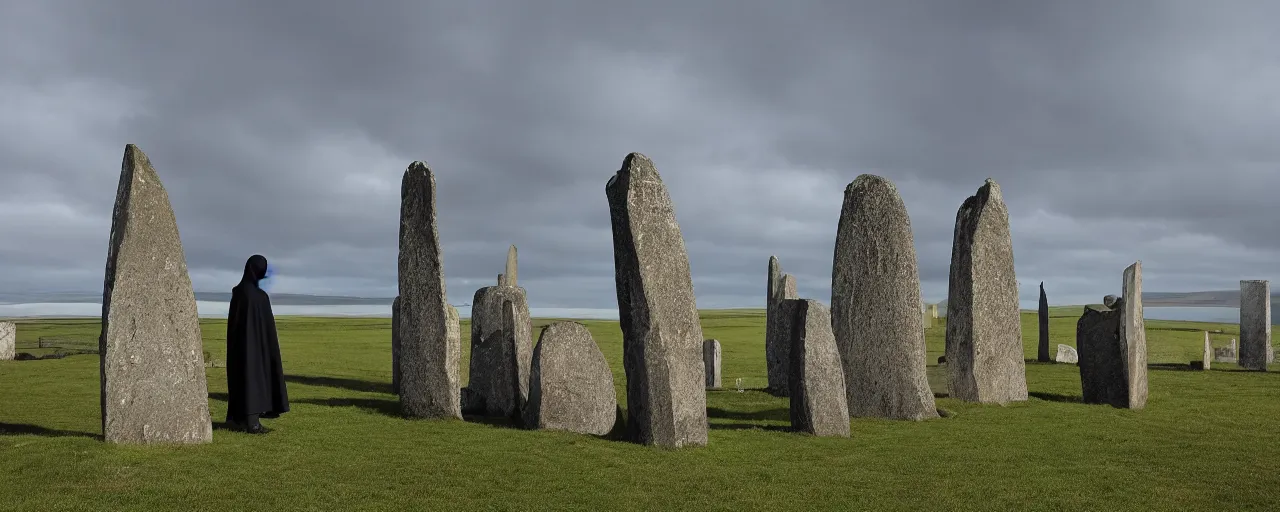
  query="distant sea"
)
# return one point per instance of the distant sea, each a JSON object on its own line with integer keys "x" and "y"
{"x": 218, "y": 309}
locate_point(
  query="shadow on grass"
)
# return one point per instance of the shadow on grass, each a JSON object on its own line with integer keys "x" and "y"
{"x": 494, "y": 421}
{"x": 373, "y": 405}
{"x": 749, "y": 426}
{"x": 1177, "y": 367}
{"x": 1055, "y": 397}
{"x": 221, "y": 397}
{"x": 341, "y": 383}
{"x": 779, "y": 414}
{"x": 15, "y": 429}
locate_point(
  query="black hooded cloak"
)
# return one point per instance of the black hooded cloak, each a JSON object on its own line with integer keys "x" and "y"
{"x": 255, "y": 376}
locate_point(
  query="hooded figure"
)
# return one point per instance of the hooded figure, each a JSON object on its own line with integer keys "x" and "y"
{"x": 255, "y": 376}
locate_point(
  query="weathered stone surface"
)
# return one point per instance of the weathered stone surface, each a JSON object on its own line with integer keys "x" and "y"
{"x": 570, "y": 384}
{"x": 1109, "y": 300}
{"x": 1042, "y": 314}
{"x": 151, "y": 358}
{"x": 1207, "y": 357}
{"x": 818, "y": 402}
{"x": 1067, "y": 354}
{"x": 8, "y": 340}
{"x": 511, "y": 276}
{"x": 711, "y": 363}
{"x": 662, "y": 336}
{"x": 428, "y": 353}
{"x": 1255, "y": 324}
{"x": 395, "y": 345}
{"x": 501, "y": 280}
{"x": 493, "y": 380}
{"x": 875, "y": 290}
{"x": 984, "y": 323}
{"x": 1112, "y": 346}
{"x": 777, "y": 342}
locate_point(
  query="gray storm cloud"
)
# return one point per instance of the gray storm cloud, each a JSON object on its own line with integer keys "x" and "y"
{"x": 1118, "y": 130}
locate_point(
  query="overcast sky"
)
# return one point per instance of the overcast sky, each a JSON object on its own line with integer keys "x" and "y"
{"x": 1119, "y": 131}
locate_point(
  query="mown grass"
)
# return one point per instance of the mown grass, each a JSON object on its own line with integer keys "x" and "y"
{"x": 1207, "y": 440}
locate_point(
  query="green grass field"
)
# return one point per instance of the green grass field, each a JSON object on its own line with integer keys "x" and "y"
{"x": 1206, "y": 441}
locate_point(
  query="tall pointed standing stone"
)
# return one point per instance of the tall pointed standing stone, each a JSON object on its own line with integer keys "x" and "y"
{"x": 511, "y": 275}
{"x": 984, "y": 323}
{"x": 875, "y": 290}
{"x": 1112, "y": 345}
{"x": 151, "y": 358}
{"x": 661, "y": 334}
{"x": 1042, "y": 354}
{"x": 395, "y": 346}
{"x": 818, "y": 403}
{"x": 1255, "y": 324}
{"x": 777, "y": 344}
{"x": 1208, "y": 351}
{"x": 428, "y": 358}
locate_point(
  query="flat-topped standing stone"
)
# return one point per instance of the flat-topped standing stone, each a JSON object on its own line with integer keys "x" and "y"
{"x": 777, "y": 343}
{"x": 1042, "y": 314}
{"x": 1208, "y": 352}
{"x": 925, "y": 317}
{"x": 570, "y": 383}
{"x": 1255, "y": 324}
{"x": 933, "y": 311}
{"x": 496, "y": 383}
{"x": 818, "y": 402}
{"x": 395, "y": 346}
{"x": 661, "y": 333}
{"x": 875, "y": 290}
{"x": 428, "y": 357}
{"x": 1112, "y": 348}
{"x": 151, "y": 358}
{"x": 711, "y": 363}
{"x": 9, "y": 341}
{"x": 984, "y": 323}
{"x": 1067, "y": 354}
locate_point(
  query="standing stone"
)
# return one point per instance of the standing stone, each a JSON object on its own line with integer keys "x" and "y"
{"x": 926, "y": 318}
{"x": 818, "y": 402}
{"x": 494, "y": 381}
{"x": 711, "y": 363}
{"x": 395, "y": 346}
{"x": 1235, "y": 349}
{"x": 777, "y": 342}
{"x": 1109, "y": 300}
{"x": 570, "y": 383}
{"x": 1255, "y": 324}
{"x": 151, "y": 358}
{"x": 501, "y": 280}
{"x": 1112, "y": 347}
{"x": 933, "y": 311}
{"x": 1042, "y": 354}
{"x": 984, "y": 323}
{"x": 428, "y": 356}
{"x": 1208, "y": 352}
{"x": 511, "y": 275}
{"x": 1067, "y": 354}
{"x": 875, "y": 290}
{"x": 9, "y": 341}
{"x": 661, "y": 333}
